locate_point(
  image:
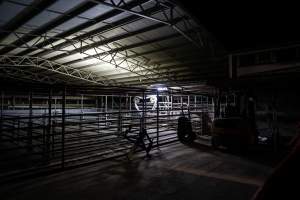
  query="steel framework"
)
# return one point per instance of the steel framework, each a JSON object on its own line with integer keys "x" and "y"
{"x": 17, "y": 73}
{"x": 168, "y": 11}
{"x": 114, "y": 54}
{"x": 27, "y": 61}
{"x": 93, "y": 45}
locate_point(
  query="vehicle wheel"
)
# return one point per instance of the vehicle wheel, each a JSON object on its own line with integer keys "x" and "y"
{"x": 188, "y": 138}
{"x": 215, "y": 142}
{"x": 184, "y": 131}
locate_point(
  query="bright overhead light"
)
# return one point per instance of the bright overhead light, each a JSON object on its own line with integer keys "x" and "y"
{"x": 162, "y": 89}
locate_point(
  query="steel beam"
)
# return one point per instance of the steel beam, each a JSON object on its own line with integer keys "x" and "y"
{"x": 19, "y": 61}
{"x": 50, "y": 25}
{"x": 96, "y": 32}
{"x": 135, "y": 55}
{"x": 20, "y": 74}
{"x": 25, "y": 15}
{"x": 133, "y": 66}
{"x": 164, "y": 66}
{"x": 87, "y": 24}
{"x": 129, "y": 65}
{"x": 126, "y": 64}
{"x": 138, "y": 79}
{"x": 196, "y": 66}
{"x": 82, "y": 49}
{"x": 167, "y": 17}
{"x": 184, "y": 77}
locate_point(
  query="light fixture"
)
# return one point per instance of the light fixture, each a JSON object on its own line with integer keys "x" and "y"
{"x": 160, "y": 89}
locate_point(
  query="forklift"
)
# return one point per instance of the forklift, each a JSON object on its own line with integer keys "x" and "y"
{"x": 233, "y": 127}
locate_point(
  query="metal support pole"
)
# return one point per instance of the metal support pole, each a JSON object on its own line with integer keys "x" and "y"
{"x": 102, "y": 103}
{"x": 130, "y": 103}
{"x": 53, "y": 124}
{"x": 18, "y": 132}
{"x": 105, "y": 104}
{"x": 195, "y": 102}
{"x": 119, "y": 117}
{"x": 29, "y": 132}
{"x": 1, "y": 114}
{"x": 201, "y": 101}
{"x": 98, "y": 122}
{"x": 218, "y": 111}
{"x": 105, "y": 110}
{"x": 143, "y": 112}
{"x": 44, "y": 136}
{"x": 54, "y": 106}
{"x": 126, "y": 102}
{"x": 169, "y": 109}
{"x": 81, "y": 104}
{"x": 234, "y": 99}
{"x": 13, "y": 102}
{"x": 213, "y": 105}
{"x": 49, "y": 123}
{"x": 181, "y": 102}
{"x": 172, "y": 104}
{"x": 275, "y": 128}
{"x": 232, "y": 68}
{"x": 63, "y": 110}
{"x": 157, "y": 119}
{"x": 112, "y": 103}
{"x": 97, "y": 103}
{"x": 207, "y": 102}
{"x": 80, "y": 122}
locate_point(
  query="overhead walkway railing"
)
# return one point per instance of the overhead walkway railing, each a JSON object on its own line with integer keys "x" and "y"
{"x": 284, "y": 59}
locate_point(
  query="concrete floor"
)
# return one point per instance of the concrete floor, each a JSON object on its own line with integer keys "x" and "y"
{"x": 175, "y": 172}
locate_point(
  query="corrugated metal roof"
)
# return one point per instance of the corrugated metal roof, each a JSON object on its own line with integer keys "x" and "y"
{"x": 114, "y": 40}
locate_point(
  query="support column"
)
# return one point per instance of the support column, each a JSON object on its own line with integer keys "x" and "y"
{"x": 105, "y": 104}
{"x": 29, "y": 131}
{"x": 55, "y": 101}
{"x": 201, "y": 101}
{"x": 13, "y": 102}
{"x": 218, "y": 110}
{"x": 49, "y": 123}
{"x": 63, "y": 113}
{"x": 97, "y": 103}
{"x": 172, "y": 104}
{"x": 143, "y": 112}
{"x": 102, "y": 103}
{"x": 157, "y": 119}
{"x": 181, "y": 103}
{"x": 119, "y": 117}
{"x": 232, "y": 66}
{"x": 1, "y": 113}
{"x": 106, "y": 116}
{"x": 129, "y": 103}
{"x": 126, "y": 102}
{"x": 81, "y": 104}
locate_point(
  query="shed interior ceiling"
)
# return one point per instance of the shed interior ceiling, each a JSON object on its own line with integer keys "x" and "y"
{"x": 128, "y": 43}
